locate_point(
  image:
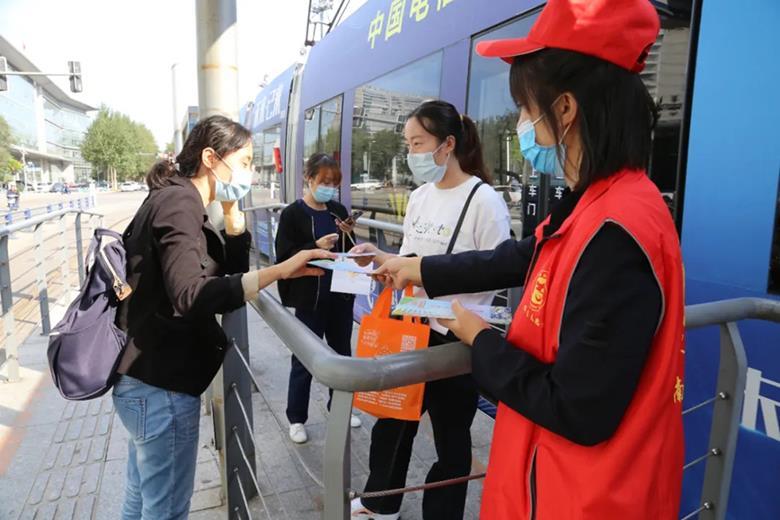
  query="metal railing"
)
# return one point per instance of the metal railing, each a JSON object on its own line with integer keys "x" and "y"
{"x": 44, "y": 251}
{"x": 347, "y": 375}
{"x": 9, "y": 217}
{"x": 728, "y": 396}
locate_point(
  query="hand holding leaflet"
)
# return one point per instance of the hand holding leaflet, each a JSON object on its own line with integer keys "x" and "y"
{"x": 349, "y": 267}
{"x": 439, "y": 309}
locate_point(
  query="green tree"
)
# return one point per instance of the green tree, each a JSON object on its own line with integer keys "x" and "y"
{"x": 146, "y": 151}
{"x": 118, "y": 146}
{"x": 8, "y": 165}
{"x": 380, "y": 149}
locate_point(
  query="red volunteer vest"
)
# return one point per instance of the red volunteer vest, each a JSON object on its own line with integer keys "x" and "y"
{"x": 637, "y": 473}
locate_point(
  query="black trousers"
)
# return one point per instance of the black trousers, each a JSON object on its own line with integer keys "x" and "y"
{"x": 333, "y": 320}
{"x": 451, "y": 404}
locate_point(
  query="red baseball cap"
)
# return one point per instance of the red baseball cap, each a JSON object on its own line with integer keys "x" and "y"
{"x": 618, "y": 31}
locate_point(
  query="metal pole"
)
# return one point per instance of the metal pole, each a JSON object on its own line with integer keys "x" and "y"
{"x": 217, "y": 58}
{"x": 79, "y": 250}
{"x": 270, "y": 230}
{"x": 177, "y": 137}
{"x": 215, "y": 22}
{"x": 9, "y": 355}
{"x": 64, "y": 267}
{"x": 236, "y": 379}
{"x": 337, "y": 457}
{"x": 40, "y": 269}
{"x": 732, "y": 374}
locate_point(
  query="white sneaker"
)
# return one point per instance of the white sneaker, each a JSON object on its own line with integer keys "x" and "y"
{"x": 355, "y": 421}
{"x": 298, "y": 433}
{"x": 360, "y": 512}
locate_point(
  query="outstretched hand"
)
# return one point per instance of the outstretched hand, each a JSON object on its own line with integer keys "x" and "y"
{"x": 400, "y": 271}
{"x": 466, "y": 325}
{"x": 297, "y": 266}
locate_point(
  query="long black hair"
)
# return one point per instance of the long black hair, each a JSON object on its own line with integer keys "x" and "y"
{"x": 442, "y": 120}
{"x": 616, "y": 114}
{"x": 223, "y": 135}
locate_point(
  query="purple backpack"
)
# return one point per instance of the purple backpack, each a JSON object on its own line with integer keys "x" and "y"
{"x": 86, "y": 346}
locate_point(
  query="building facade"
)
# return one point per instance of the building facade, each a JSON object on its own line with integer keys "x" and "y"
{"x": 47, "y": 124}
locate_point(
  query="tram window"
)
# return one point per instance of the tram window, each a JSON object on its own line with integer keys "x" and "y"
{"x": 266, "y": 187}
{"x": 491, "y": 106}
{"x": 665, "y": 76}
{"x": 330, "y": 128}
{"x": 774, "y": 261}
{"x": 311, "y": 132}
{"x": 381, "y": 180}
{"x": 322, "y": 129}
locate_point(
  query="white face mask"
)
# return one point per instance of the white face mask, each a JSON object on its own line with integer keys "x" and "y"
{"x": 424, "y": 167}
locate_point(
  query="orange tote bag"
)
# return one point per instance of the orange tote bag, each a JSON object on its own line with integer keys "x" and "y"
{"x": 380, "y": 335}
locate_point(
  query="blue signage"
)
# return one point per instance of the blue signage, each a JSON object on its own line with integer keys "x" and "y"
{"x": 270, "y": 105}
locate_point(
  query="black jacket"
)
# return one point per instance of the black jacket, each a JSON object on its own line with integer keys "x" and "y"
{"x": 295, "y": 234}
{"x": 611, "y": 312}
{"x": 182, "y": 272}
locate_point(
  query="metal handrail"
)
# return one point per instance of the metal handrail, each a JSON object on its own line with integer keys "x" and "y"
{"x": 381, "y": 225}
{"x": 352, "y": 374}
{"x": 46, "y": 207}
{"x": 346, "y": 375}
{"x": 729, "y": 311}
{"x": 34, "y": 221}
{"x": 271, "y": 207}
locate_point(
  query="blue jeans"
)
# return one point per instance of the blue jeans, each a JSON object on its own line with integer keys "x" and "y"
{"x": 163, "y": 449}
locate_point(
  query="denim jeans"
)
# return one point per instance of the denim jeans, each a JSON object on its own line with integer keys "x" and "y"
{"x": 163, "y": 449}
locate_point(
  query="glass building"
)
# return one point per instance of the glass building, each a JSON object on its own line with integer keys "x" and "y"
{"x": 48, "y": 125}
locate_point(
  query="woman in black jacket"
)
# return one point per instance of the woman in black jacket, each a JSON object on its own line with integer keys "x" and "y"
{"x": 182, "y": 272}
{"x": 315, "y": 221}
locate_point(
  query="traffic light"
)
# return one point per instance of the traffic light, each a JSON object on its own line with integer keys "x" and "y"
{"x": 3, "y": 77}
{"x": 74, "y": 68}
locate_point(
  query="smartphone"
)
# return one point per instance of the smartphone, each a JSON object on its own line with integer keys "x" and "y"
{"x": 353, "y": 218}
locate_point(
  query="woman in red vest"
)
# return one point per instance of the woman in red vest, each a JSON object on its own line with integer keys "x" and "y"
{"x": 589, "y": 377}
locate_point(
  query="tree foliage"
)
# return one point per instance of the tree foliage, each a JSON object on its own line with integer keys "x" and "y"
{"x": 8, "y": 164}
{"x": 118, "y": 145}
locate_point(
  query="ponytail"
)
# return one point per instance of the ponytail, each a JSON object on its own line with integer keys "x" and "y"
{"x": 469, "y": 152}
{"x": 442, "y": 120}
{"x": 160, "y": 175}
{"x": 219, "y": 133}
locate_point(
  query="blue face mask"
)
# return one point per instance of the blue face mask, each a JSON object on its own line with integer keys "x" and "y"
{"x": 544, "y": 159}
{"x": 239, "y": 185}
{"x": 424, "y": 167}
{"x": 325, "y": 194}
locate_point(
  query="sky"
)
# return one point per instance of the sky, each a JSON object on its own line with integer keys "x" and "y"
{"x": 127, "y": 48}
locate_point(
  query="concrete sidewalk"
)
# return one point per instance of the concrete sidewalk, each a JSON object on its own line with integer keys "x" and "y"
{"x": 65, "y": 460}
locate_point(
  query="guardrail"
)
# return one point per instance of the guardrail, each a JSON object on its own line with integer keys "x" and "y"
{"x": 9, "y": 217}
{"x": 346, "y": 375}
{"x": 9, "y": 360}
